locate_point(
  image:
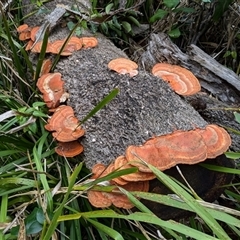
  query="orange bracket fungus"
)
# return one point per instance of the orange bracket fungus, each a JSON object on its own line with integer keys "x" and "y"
{"x": 89, "y": 42}
{"x": 102, "y": 199}
{"x": 51, "y": 86}
{"x": 73, "y": 44}
{"x": 185, "y": 147}
{"x": 181, "y": 80}
{"x": 123, "y": 66}
{"x": 122, "y": 163}
{"x": 69, "y": 149}
{"x": 65, "y": 125}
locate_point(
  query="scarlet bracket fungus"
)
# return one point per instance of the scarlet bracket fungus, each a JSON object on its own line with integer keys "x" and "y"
{"x": 25, "y": 34}
{"x": 38, "y": 47}
{"x": 169, "y": 150}
{"x": 65, "y": 125}
{"x": 181, "y": 80}
{"x": 185, "y": 147}
{"x": 216, "y": 139}
{"x": 51, "y": 86}
{"x": 46, "y": 67}
{"x": 123, "y": 66}
{"x": 69, "y": 149}
{"x": 106, "y": 199}
{"x": 89, "y": 42}
{"x": 22, "y": 28}
{"x": 73, "y": 44}
{"x": 122, "y": 163}
{"x": 34, "y": 32}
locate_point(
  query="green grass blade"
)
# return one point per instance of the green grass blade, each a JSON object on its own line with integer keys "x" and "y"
{"x": 12, "y": 46}
{"x": 221, "y": 169}
{"x": 53, "y": 224}
{"x": 219, "y": 214}
{"x": 109, "y": 231}
{"x": 37, "y": 156}
{"x": 101, "y": 104}
{"x": 206, "y": 216}
{"x": 3, "y": 211}
{"x": 42, "y": 54}
{"x": 141, "y": 217}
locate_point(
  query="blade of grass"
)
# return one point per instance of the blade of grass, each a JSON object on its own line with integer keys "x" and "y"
{"x": 53, "y": 224}
{"x": 109, "y": 231}
{"x": 64, "y": 44}
{"x": 206, "y": 216}
{"x": 141, "y": 217}
{"x": 42, "y": 54}
{"x": 3, "y": 215}
{"x": 101, "y": 104}
{"x": 221, "y": 169}
{"x": 12, "y": 46}
{"x": 37, "y": 157}
{"x": 219, "y": 213}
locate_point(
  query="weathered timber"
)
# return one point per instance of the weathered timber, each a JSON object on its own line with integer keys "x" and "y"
{"x": 145, "y": 106}
{"x": 220, "y": 81}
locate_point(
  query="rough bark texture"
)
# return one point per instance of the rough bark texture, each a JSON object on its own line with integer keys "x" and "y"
{"x": 145, "y": 106}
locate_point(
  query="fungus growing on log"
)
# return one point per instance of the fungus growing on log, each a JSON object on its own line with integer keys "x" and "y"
{"x": 69, "y": 149}
{"x": 38, "y": 47}
{"x": 46, "y": 67}
{"x": 22, "y": 28}
{"x": 65, "y": 125}
{"x": 123, "y": 66}
{"x": 73, "y": 44}
{"x": 181, "y": 80}
{"x": 121, "y": 163}
{"x": 24, "y": 34}
{"x": 216, "y": 139}
{"x": 34, "y": 32}
{"x": 88, "y": 42}
{"x": 101, "y": 199}
{"x": 51, "y": 86}
{"x": 180, "y": 147}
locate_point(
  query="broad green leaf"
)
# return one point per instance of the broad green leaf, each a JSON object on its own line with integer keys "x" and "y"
{"x": 127, "y": 26}
{"x": 158, "y": 15}
{"x": 134, "y": 20}
{"x": 171, "y": 3}
{"x": 108, "y": 8}
{"x": 220, "y": 8}
{"x": 174, "y": 33}
{"x": 70, "y": 25}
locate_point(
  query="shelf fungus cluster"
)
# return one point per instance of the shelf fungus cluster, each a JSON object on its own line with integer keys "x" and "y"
{"x": 73, "y": 44}
{"x": 181, "y": 80}
{"x": 163, "y": 152}
{"x": 63, "y": 124}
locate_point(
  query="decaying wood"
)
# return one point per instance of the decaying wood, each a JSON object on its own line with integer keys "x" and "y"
{"x": 145, "y": 106}
{"x": 215, "y": 78}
